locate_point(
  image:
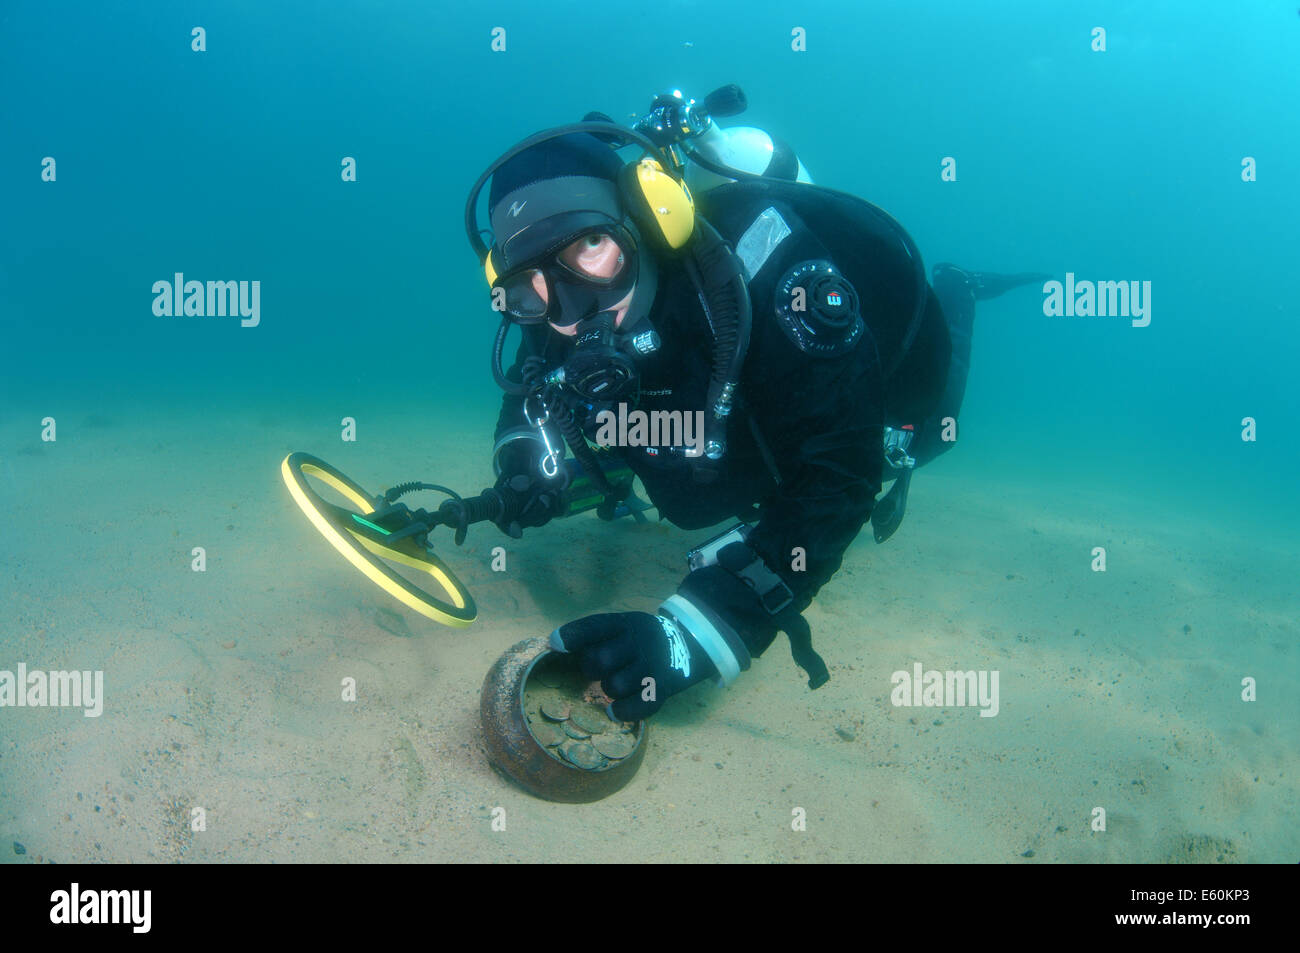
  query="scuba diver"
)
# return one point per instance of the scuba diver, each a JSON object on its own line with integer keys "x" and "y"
{"x": 708, "y": 274}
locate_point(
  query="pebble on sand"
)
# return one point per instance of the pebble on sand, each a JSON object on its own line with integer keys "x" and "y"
{"x": 19, "y": 849}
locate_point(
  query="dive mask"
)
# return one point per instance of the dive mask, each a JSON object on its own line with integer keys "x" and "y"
{"x": 580, "y": 277}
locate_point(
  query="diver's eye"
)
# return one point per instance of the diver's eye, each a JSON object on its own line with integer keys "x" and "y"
{"x": 597, "y": 256}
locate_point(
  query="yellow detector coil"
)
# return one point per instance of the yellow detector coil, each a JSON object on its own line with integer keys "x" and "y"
{"x": 362, "y": 542}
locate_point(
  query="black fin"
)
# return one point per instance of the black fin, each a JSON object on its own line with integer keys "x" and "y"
{"x": 888, "y": 513}
{"x": 609, "y": 140}
{"x": 988, "y": 284}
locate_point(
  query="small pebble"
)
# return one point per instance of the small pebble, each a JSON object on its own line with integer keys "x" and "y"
{"x": 845, "y": 734}
{"x": 227, "y": 645}
{"x": 1187, "y": 629}
{"x": 19, "y": 849}
{"x": 1028, "y": 853}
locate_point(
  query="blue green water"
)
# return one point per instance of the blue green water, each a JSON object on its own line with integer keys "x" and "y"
{"x": 225, "y": 164}
{"x": 1115, "y": 165}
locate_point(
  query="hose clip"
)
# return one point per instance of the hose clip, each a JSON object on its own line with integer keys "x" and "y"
{"x": 550, "y": 462}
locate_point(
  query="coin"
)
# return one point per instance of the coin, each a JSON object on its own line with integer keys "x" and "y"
{"x": 583, "y": 755}
{"x": 555, "y": 710}
{"x": 547, "y": 733}
{"x": 573, "y": 731}
{"x": 614, "y": 745}
{"x": 591, "y": 720}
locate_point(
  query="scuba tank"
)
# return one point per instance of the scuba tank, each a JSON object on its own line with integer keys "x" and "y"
{"x": 740, "y": 148}
{"x": 716, "y": 154}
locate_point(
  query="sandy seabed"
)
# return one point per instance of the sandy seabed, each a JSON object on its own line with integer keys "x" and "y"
{"x": 1119, "y": 690}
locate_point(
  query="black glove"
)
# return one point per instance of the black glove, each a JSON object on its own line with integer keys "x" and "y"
{"x": 527, "y": 502}
{"x": 624, "y": 649}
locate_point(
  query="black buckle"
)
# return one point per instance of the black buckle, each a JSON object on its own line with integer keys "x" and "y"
{"x": 773, "y": 594}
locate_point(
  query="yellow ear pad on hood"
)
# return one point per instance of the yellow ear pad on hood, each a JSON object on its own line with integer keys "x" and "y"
{"x": 662, "y": 205}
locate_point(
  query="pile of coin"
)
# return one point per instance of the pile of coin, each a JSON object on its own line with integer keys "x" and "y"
{"x": 579, "y": 733}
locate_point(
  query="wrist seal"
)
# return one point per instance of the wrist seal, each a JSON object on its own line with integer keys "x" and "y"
{"x": 719, "y": 641}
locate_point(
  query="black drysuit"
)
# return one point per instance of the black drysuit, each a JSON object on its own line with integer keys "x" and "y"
{"x": 816, "y": 421}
